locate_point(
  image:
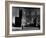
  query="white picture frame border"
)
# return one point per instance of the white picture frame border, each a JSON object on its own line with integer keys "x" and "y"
{"x": 29, "y": 31}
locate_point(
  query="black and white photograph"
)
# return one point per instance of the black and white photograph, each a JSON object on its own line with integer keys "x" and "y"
{"x": 25, "y": 18}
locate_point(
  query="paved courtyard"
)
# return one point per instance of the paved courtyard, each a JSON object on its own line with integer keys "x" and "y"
{"x": 24, "y": 28}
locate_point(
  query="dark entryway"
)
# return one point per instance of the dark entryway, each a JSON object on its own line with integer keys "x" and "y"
{"x": 18, "y": 19}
